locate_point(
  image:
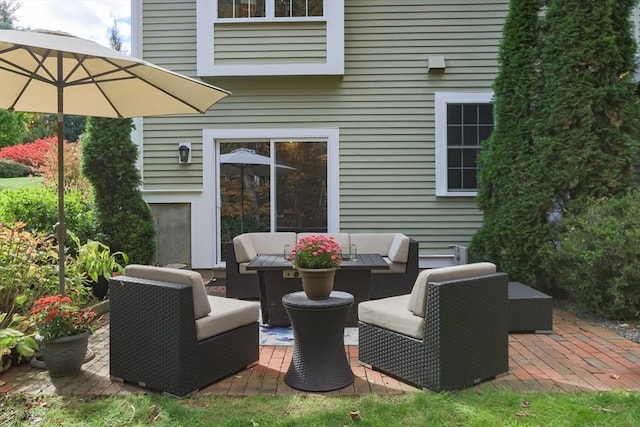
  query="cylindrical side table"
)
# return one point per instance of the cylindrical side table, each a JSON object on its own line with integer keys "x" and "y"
{"x": 319, "y": 361}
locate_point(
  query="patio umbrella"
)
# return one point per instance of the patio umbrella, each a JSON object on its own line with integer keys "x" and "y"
{"x": 246, "y": 161}
{"x": 53, "y": 72}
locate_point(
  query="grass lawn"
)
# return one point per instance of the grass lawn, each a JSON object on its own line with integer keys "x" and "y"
{"x": 464, "y": 408}
{"x": 19, "y": 182}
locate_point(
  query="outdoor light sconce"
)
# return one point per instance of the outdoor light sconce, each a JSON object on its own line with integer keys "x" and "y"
{"x": 436, "y": 65}
{"x": 184, "y": 152}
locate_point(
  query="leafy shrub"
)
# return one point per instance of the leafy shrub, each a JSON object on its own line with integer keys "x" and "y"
{"x": 597, "y": 260}
{"x": 29, "y": 270}
{"x": 38, "y": 208}
{"x": 11, "y": 169}
{"x": 73, "y": 177}
{"x": 31, "y": 154}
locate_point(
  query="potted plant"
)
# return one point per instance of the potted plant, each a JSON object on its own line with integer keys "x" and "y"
{"x": 316, "y": 257}
{"x": 17, "y": 341}
{"x": 95, "y": 260}
{"x": 63, "y": 329}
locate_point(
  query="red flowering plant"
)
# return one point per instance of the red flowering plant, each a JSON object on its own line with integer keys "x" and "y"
{"x": 56, "y": 317}
{"x": 316, "y": 251}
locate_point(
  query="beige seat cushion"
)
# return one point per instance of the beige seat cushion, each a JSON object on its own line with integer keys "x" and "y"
{"x": 392, "y": 314}
{"x": 373, "y": 243}
{"x": 417, "y": 303}
{"x": 227, "y": 314}
{"x": 242, "y": 268}
{"x": 248, "y": 245}
{"x": 394, "y": 267}
{"x": 201, "y": 305}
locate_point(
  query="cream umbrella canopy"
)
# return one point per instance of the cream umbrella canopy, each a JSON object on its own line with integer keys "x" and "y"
{"x": 52, "y": 72}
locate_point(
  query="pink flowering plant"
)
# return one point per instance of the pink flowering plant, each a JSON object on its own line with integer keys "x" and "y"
{"x": 56, "y": 316}
{"x": 316, "y": 251}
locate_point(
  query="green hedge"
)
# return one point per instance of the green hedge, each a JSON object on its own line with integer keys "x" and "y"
{"x": 11, "y": 169}
{"x": 38, "y": 208}
{"x": 597, "y": 261}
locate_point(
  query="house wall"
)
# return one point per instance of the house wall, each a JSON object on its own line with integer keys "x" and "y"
{"x": 383, "y": 107}
{"x": 271, "y": 43}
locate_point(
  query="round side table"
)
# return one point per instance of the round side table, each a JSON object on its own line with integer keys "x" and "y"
{"x": 319, "y": 361}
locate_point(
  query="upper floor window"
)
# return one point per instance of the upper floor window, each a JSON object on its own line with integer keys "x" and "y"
{"x": 269, "y": 8}
{"x": 463, "y": 122}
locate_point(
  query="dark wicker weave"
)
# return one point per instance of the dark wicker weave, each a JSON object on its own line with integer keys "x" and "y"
{"x": 382, "y": 285}
{"x": 273, "y": 312}
{"x": 153, "y": 339}
{"x": 465, "y": 340}
{"x": 529, "y": 310}
{"x": 319, "y": 361}
{"x": 237, "y": 285}
{"x": 385, "y": 285}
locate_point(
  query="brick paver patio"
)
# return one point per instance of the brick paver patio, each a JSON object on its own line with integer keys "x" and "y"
{"x": 578, "y": 355}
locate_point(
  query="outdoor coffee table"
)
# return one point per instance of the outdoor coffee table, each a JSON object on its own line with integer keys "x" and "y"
{"x": 319, "y": 361}
{"x": 277, "y": 277}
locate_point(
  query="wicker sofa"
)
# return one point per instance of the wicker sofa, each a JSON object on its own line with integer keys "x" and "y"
{"x": 450, "y": 332}
{"x": 167, "y": 334}
{"x": 400, "y": 252}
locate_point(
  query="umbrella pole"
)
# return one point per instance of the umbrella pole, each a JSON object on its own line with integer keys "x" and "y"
{"x": 241, "y": 199}
{"x": 61, "y": 226}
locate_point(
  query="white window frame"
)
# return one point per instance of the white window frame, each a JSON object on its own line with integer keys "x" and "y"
{"x": 441, "y": 101}
{"x": 269, "y": 14}
{"x": 207, "y": 18}
{"x": 211, "y": 170}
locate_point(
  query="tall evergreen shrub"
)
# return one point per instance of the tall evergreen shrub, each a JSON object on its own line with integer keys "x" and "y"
{"x": 510, "y": 192}
{"x": 570, "y": 137}
{"x": 109, "y": 162}
{"x": 588, "y": 117}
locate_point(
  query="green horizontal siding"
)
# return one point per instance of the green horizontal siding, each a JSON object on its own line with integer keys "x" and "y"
{"x": 270, "y": 43}
{"x": 383, "y": 106}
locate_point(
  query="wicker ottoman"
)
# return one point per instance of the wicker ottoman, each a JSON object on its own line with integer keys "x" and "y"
{"x": 529, "y": 310}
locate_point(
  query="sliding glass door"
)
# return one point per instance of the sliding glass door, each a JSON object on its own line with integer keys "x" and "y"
{"x": 272, "y": 185}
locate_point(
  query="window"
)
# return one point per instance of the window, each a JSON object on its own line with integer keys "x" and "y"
{"x": 272, "y": 186}
{"x": 290, "y": 182}
{"x": 269, "y": 8}
{"x": 290, "y": 8}
{"x": 463, "y": 122}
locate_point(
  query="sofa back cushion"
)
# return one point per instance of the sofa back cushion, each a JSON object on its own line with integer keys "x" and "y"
{"x": 201, "y": 305}
{"x": 272, "y": 243}
{"x": 342, "y": 239}
{"x": 373, "y": 243}
{"x": 248, "y": 245}
{"x": 399, "y": 249}
{"x": 418, "y": 300}
{"x": 243, "y": 247}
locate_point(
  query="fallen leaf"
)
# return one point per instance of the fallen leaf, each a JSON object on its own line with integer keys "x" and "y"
{"x": 601, "y": 409}
{"x": 355, "y": 415}
{"x": 522, "y": 413}
{"x": 614, "y": 376}
{"x": 525, "y": 404}
{"x": 237, "y": 376}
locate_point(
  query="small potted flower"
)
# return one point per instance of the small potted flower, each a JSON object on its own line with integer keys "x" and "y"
{"x": 63, "y": 329}
{"x": 316, "y": 257}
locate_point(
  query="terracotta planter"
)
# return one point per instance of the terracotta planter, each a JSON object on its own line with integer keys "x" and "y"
{"x": 63, "y": 357}
{"x": 317, "y": 283}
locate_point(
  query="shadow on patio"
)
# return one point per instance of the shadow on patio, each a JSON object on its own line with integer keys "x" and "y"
{"x": 577, "y": 356}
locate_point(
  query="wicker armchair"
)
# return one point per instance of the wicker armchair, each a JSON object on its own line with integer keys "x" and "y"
{"x": 450, "y": 333}
{"x": 167, "y": 334}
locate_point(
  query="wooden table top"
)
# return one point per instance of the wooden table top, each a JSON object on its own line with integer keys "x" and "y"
{"x": 277, "y": 262}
